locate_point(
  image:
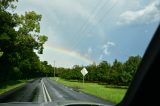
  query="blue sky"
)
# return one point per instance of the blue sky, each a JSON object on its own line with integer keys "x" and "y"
{"x": 86, "y": 31}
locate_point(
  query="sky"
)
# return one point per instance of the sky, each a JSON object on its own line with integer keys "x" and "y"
{"x": 82, "y": 32}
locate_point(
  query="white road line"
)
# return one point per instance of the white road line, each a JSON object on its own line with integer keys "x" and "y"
{"x": 49, "y": 98}
{"x": 45, "y": 98}
{"x": 46, "y": 92}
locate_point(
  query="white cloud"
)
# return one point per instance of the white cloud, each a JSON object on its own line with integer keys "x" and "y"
{"x": 68, "y": 21}
{"x": 101, "y": 57}
{"x": 90, "y": 50}
{"x": 70, "y": 9}
{"x": 59, "y": 9}
{"x": 105, "y": 50}
{"x": 106, "y": 47}
{"x": 150, "y": 13}
{"x": 88, "y": 53}
{"x": 110, "y": 43}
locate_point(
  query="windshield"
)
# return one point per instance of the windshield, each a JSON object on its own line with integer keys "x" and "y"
{"x": 76, "y": 50}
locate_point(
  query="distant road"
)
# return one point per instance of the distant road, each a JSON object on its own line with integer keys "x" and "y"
{"x": 46, "y": 90}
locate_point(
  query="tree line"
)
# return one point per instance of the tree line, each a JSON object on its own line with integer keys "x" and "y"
{"x": 117, "y": 74}
{"x": 19, "y": 39}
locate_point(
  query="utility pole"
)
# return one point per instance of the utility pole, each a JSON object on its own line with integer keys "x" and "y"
{"x": 54, "y": 69}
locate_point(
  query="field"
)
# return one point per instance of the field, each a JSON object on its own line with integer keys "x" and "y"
{"x": 106, "y": 92}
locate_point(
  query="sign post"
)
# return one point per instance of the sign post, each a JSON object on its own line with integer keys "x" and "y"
{"x": 84, "y": 72}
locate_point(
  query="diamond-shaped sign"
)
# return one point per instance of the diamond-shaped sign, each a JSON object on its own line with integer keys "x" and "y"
{"x": 84, "y": 71}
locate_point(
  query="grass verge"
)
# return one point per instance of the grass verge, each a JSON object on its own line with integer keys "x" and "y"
{"x": 9, "y": 85}
{"x": 114, "y": 95}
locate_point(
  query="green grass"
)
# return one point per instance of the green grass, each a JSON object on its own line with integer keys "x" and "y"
{"x": 114, "y": 95}
{"x": 6, "y": 86}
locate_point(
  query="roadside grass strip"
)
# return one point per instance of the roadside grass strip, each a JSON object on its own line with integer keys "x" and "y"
{"x": 9, "y": 85}
{"x": 106, "y": 92}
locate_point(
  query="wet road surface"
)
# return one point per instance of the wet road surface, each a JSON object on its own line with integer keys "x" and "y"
{"x": 46, "y": 90}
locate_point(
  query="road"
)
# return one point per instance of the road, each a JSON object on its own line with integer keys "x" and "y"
{"x": 46, "y": 90}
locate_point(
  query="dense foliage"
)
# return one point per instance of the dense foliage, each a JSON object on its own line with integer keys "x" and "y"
{"x": 19, "y": 38}
{"x": 117, "y": 74}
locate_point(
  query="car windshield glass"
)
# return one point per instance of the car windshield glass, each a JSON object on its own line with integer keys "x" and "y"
{"x": 72, "y": 51}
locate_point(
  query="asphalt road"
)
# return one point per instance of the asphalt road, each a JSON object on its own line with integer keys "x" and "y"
{"x": 46, "y": 90}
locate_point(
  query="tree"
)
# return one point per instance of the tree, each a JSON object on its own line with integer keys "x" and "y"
{"x": 130, "y": 67}
{"x": 92, "y": 70}
{"x": 7, "y": 36}
{"x": 28, "y": 27}
{"x": 117, "y": 74}
{"x": 19, "y": 37}
{"x": 116, "y": 70}
{"x": 4, "y": 4}
{"x": 103, "y": 71}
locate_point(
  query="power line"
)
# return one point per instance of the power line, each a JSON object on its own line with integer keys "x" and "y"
{"x": 101, "y": 19}
{"x": 107, "y": 12}
{"x": 85, "y": 25}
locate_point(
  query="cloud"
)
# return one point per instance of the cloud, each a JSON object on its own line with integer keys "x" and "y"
{"x": 110, "y": 43}
{"x": 106, "y": 47}
{"x": 89, "y": 50}
{"x": 84, "y": 26}
{"x": 148, "y": 14}
{"x": 101, "y": 57}
{"x": 67, "y": 9}
{"x": 88, "y": 53}
{"x": 60, "y": 11}
{"x": 105, "y": 50}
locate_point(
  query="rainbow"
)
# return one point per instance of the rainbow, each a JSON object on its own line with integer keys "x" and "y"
{"x": 69, "y": 52}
